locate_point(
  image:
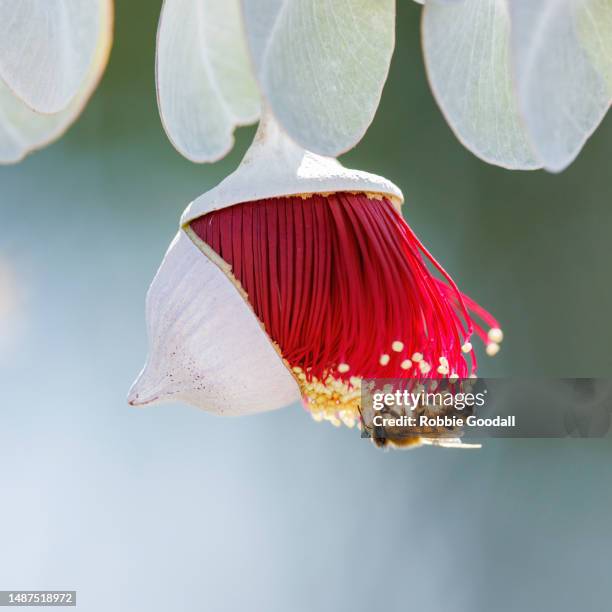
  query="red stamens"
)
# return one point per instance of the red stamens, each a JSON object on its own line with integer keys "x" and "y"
{"x": 342, "y": 286}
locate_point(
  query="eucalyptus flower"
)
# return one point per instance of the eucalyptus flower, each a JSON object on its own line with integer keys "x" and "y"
{"x": 294, "y": 278}
{"x": 297, "y": 278}
{"x": 522, "y": 83}
{"x": 52, "y": 56}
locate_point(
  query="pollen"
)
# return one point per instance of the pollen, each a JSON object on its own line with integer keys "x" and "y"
{"x": 398, "y": 346}
{"x": 416, "y": 357}
{"x": 492, "y": 349}
{"x": 343, "y": 368}
{"x": 406, "y": 364}
{"x": 467, "y": 347}
{"x": 332, "y": 400}
{"x": 496, "y": 335}
{"x": 384, "y": 359}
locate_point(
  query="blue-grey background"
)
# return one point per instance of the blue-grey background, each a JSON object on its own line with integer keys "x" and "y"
{"x": 170, "y": 508}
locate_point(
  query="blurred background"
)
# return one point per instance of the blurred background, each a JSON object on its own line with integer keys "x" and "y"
{"x": 170, "y": 508}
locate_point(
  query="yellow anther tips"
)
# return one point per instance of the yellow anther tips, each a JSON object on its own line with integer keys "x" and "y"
{"x": 495, "y": 335}
{"x": 492, "y": 349}
{"x": 333, "y": 400}
{"x": 398, "y": 346}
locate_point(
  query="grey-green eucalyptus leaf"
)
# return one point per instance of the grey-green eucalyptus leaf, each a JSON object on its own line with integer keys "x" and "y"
{"x": 562, "y": 57}
{"x": 322, "y": 65}
{"x": 48, "y": 48}
{"x": 467, "y": 55}
{"x": 205, "y": 82}
{"x": 523, "y": 83}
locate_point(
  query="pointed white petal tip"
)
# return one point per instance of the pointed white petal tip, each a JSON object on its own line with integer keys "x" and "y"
{"x": 144, "y": 391}
{"x": 207, "y": 347}
{"x": 275, "y": 166}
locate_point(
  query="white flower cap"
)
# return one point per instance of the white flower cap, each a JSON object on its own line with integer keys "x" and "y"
{"x": 275, "y": 166}
{"x": 207, "y": 347}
